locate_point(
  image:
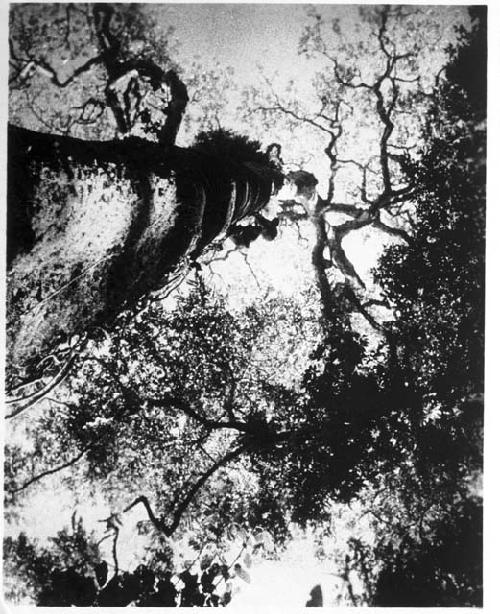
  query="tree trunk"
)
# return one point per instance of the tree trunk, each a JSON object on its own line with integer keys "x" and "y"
{"x": 93, "y": 226}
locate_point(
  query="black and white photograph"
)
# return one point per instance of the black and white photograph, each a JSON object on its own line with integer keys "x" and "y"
{"x": 244, "y": 305}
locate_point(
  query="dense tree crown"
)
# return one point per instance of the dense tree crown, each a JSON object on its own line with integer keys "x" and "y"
{"x": 214, "y": 430}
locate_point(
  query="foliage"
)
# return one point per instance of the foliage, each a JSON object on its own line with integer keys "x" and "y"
{"x": 148, "y": 403}
{"x": 288, "y": 415}
{"x": 210, "y": 92}
{"x": 229, "y": 146}
{"x": 436, "y": 286}
{"x": 442, "y": 569}
{"x": 161, "y": 398}
{"x": 50, "y": 571}
{"x": 70, "y": 572}
{"x": 328, "y": 453}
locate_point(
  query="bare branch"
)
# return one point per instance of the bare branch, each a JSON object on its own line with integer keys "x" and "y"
{"x": 47, "y": 70}
{"x": 395, "y": 232}
{"x": 56, "y": 469}
{"x": 55, "y": 381}
{"x": 169, "y": 530}
{"x": 282, "y": 109}
{"x": 346, "y": 292}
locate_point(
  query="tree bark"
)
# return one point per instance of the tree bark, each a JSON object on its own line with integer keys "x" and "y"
{"x": 93, "y": 226}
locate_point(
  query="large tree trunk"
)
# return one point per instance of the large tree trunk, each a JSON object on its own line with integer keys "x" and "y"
{"x": 93, "y": 226}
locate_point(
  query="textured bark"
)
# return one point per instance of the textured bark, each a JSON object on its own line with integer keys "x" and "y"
{"x": 93, "y": 226}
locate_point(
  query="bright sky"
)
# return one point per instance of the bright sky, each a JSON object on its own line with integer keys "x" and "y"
{"x": 246, "y": 35}
{"x": 240, "y": 35}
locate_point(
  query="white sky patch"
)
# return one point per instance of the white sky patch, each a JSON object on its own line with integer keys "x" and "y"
{"x": 261, "y": 41}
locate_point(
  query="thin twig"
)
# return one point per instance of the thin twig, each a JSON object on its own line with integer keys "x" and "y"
{"x": 44, "y": 474}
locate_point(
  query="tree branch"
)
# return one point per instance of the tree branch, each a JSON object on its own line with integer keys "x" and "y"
{"x": 170, "y": 400}
{"x": 301, "y": 118}
{"x": 37, "y": 396}
{"x": 169, "y": 530}
{"x": 47, "y": 70}
{"x": 395, "y": 232}
{"x": 44, "y": 474}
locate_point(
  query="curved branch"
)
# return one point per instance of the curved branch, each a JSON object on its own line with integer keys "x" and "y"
{"x": 363, "y": 219}
{"x": 19, "y": 387}
{"x": 395, "y": 232}
{"x": 169, "y": 530}
{"x": 385, "y": 116}
{"x": 230, "y": 456}
{"x": 125, "y": 72}
{"x": 349, "y": 294}
{"x": 46, "y": 69}
{"x": 44, "y": 474}
{"x": 37, "y": 396}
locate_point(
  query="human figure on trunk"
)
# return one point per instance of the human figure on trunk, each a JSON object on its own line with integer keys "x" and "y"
{"x": 175, "y": 108}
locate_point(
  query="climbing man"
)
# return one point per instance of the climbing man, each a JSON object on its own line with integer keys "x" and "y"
{"x": 175, "y": 108}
